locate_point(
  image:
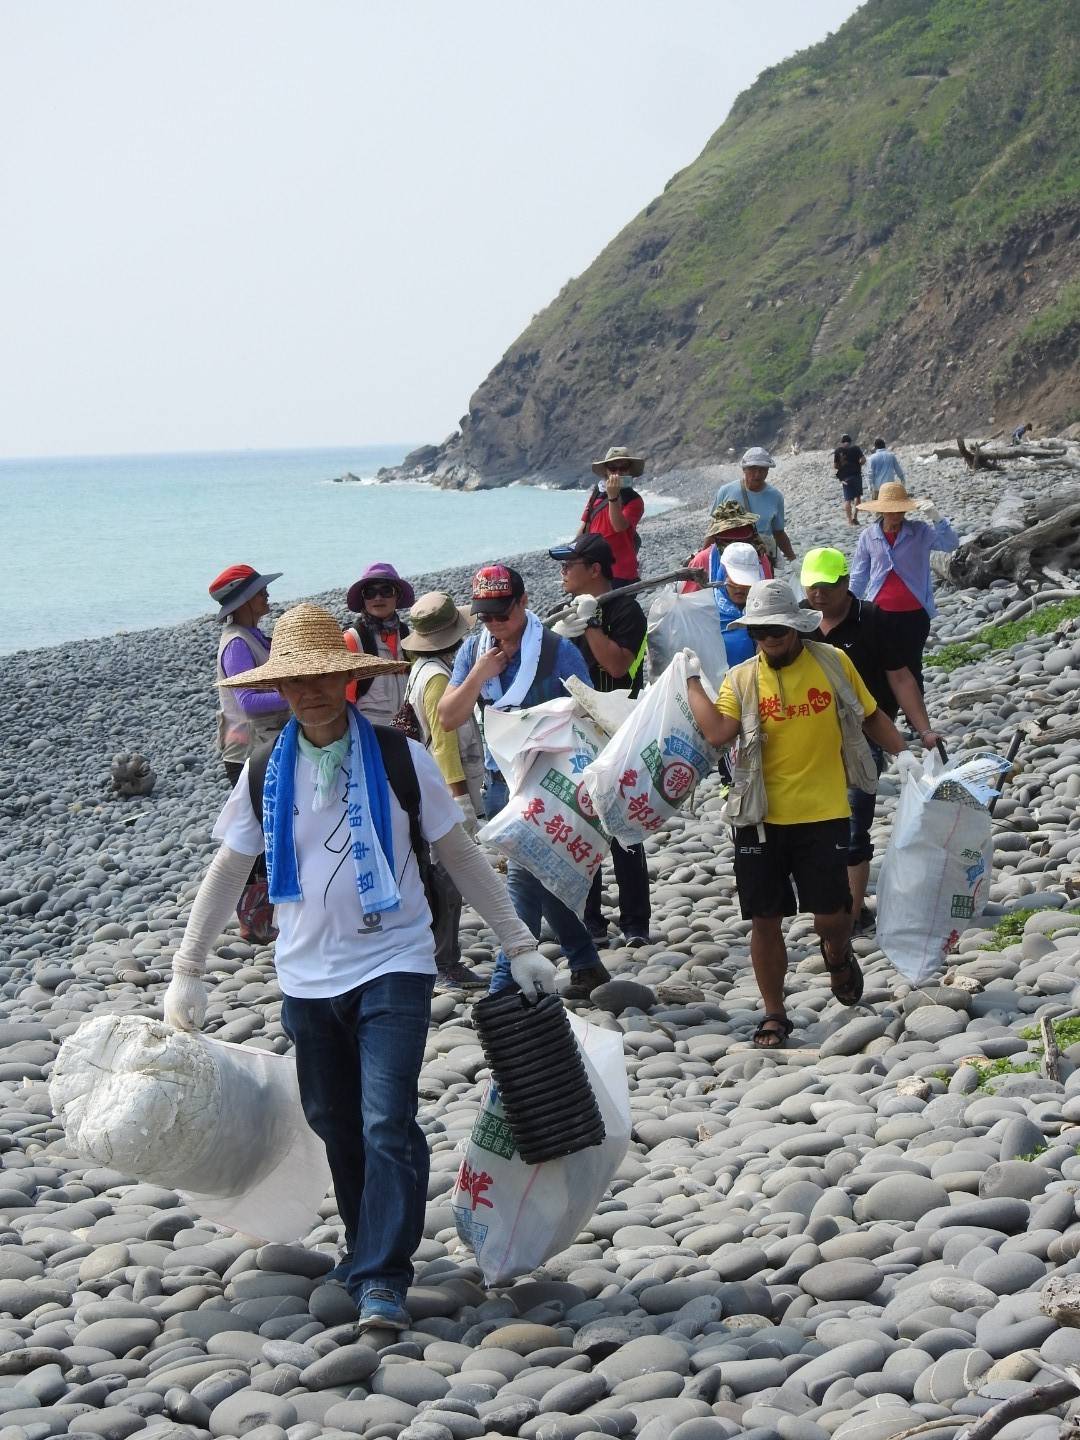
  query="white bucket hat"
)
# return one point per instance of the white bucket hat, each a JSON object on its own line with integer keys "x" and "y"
{"x": 771, "y": 602}
{"x": 757, "y": 455}
{"x": 741, "y": 563}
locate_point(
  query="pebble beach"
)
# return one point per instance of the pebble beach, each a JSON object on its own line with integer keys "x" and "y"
{"x": 869, "y": 1234}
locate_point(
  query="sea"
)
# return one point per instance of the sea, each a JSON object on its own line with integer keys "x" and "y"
{"x": 98, "y": 544}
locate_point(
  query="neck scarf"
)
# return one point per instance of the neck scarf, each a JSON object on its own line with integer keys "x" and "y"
{"x": 717, "y": 572}
{"x": 327, "y": 760}
{"x": 368, "y": 804}
{"x": 529, "y": 654}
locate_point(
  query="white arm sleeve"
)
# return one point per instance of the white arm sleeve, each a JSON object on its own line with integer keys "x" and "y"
{"x": 218, "y": 895}
{"x": 484, "y": 889}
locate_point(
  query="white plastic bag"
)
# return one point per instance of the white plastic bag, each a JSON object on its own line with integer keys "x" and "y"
{"x": 548, "y": 825}
{"x": 515, "y": 1216}
{"x": 220, "y": 1123}
{"x": 935, "y": 877}
{"x": 686, "y": 622}
{"x": 652, "y": 764}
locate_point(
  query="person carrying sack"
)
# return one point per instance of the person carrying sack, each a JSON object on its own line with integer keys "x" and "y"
{"x": 801, "y": 716}
{"x": 355, "y": 956}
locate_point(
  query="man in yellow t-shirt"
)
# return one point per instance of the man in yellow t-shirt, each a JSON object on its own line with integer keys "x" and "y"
{"x": 803, "y": 849}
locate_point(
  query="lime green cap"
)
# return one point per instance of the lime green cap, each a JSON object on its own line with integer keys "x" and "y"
{"x": 823, "y": 567}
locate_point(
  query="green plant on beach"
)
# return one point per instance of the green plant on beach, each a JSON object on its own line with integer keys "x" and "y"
{"x": 1066, "y": 1032}
{"x": 1009, "y": 930}
{"x": 1007, "y": 1066}
{"x": 1003, "y": 637}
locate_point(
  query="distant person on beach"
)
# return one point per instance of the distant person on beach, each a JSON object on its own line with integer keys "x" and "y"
{"x": 378, "y": 629}
{"x": 808, "y": 704}
{"x": 246, "y": 717}
{"x": 516, "y": 663}
{"x": 352, "y": 813}
{"x": 865, "y": 634}
{"x": 883, "y": 465}
{"x": 437, "y": 628}
{"x": 729, "y": 524}
{"x": 892, "y": 566}
{"x": 848, "y": 461}
{"x": 615, "y": 508}
{"x": 612, "y": 639}
{"x": 764, "y": 501}
{"x": 1019, "y": 433}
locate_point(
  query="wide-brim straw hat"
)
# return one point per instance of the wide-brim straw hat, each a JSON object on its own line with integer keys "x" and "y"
{"x": 619, "y": 455}
{"x": 892, "y": 500}
{"x": 307, "y": 640}
{"x": 436, "y": 623}
{"x": 771, "y": 602}
{"x": 729, "y": 515}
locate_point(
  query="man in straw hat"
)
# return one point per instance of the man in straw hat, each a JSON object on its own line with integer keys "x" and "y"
{"x": 438, "y": 628}
{"x": 614, "y": 510}
{"x": 892, "y": 566}
{"x": 789, "y": 801}
{"x": 355, "y": 956}
{"x": 764, "y": 501}
{"x": 865, "y": 634}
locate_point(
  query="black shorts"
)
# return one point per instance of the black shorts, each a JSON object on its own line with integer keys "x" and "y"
{"x": 809, "y": 861}
{"x": 852, "y": 487}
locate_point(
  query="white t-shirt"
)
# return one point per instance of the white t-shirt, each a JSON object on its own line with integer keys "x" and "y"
{"x": 325, "y": 944}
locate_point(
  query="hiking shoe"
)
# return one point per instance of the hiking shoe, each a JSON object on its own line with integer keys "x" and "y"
{"x": 457, "y": 976}
{"x": 584, "y": 982}
{"x": 599, "y": 937}
{"x": 634, "y": 939}
{"x": 382, "y": 1309}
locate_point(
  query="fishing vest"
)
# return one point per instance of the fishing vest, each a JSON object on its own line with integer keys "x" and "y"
{"x": 747, "y": 803}
{"x": 381, "y": 697}
{"x": 238, "y": 732}
{"x": 470, "y": 741}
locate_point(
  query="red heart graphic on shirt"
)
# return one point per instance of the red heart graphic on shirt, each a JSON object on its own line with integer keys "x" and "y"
{"x": 819, "y": 700}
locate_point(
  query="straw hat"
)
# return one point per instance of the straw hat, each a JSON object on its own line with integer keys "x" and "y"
{"x": 730, "y": 515}
{"x": 893, "y": 499}
{"x": 619, "y": 455}
{"x": 308, "y": 641}
{"x": 437, "y": 624}
{"x": 771, "y": 602}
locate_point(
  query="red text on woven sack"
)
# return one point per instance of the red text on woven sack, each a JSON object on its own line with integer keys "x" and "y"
{"x": 474, "y": 1183}
{"x": 534, "y": 808}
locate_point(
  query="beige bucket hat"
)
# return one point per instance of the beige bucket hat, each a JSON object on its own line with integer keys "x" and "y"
{"x": 435, "y": 623}
{"x": 771, "y": 602}
{"x": 619, "y": 454}
{"x": 307, "y": 640}
{"x": 892, "y": 500}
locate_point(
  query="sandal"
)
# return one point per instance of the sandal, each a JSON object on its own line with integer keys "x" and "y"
{"x": 773, "y": 1031}
{"x": 851, "y": 991}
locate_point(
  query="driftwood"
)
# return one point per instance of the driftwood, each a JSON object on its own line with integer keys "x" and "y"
{"x": 1046, "y": 546}
{"x": 979, "y": 457}
{"x": 1028, "y": 1402}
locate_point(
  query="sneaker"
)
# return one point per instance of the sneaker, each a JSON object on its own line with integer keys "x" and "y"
{"x": 457, "y": 976}
{"x": 584, "y": 982}
{"x": 633, "y": 939}
{"x": 382, "y": 1309}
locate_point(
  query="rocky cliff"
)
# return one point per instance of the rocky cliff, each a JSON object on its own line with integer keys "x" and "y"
{"x": 884, "y": 235}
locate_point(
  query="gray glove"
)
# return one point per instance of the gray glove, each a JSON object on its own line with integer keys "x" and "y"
{"x": 185, "y": 1002}
{"x": 929, "y": 512}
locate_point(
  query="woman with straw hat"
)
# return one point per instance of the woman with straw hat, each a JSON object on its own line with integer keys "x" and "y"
{"x": 355, "y": 953}
{"x": 892, "y": 566}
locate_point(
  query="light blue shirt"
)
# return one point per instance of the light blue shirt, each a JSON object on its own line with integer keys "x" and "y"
{"x": 909, "y": 557}
{"x": 884, "y": 466}
{"x": 767, "y": 504}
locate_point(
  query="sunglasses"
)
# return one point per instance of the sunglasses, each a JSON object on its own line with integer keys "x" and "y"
{"x": 619, "y": 469}
{"x": 768, "y": 632}
{"x": 379, "y": 592}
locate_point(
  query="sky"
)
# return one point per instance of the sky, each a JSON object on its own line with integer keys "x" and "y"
{"x": 256, "y": 224}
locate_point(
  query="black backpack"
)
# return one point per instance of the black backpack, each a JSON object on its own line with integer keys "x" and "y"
{"x": 400, "y": 772}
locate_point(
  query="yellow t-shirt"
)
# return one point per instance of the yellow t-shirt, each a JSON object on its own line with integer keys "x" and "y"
{"x": 800, "y": 727}
{"x": 444, "y": 743}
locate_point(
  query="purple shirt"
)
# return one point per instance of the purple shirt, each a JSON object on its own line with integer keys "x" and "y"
{"x": 237, "y": 657}
{"x": 909, "y": 557}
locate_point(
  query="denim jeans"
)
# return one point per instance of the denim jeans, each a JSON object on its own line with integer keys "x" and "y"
{"x": 532, "y": 904}
{"x": 358, "y": 1059}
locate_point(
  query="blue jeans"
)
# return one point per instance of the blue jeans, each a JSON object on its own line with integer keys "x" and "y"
{"x": 532, "y": 904}
{"x": 358, "y": 1059}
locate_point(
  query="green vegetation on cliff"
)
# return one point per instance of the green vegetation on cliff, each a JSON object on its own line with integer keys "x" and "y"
{"x": 916, "y": 173}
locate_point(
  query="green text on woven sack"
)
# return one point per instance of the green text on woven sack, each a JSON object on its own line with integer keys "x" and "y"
{"x": 963, "y": 907}
{"x": 653, "y": 762}
{"x": 492, "y": 1133}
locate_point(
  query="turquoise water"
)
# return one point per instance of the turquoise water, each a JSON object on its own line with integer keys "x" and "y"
{"x": 100, "y": 544}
